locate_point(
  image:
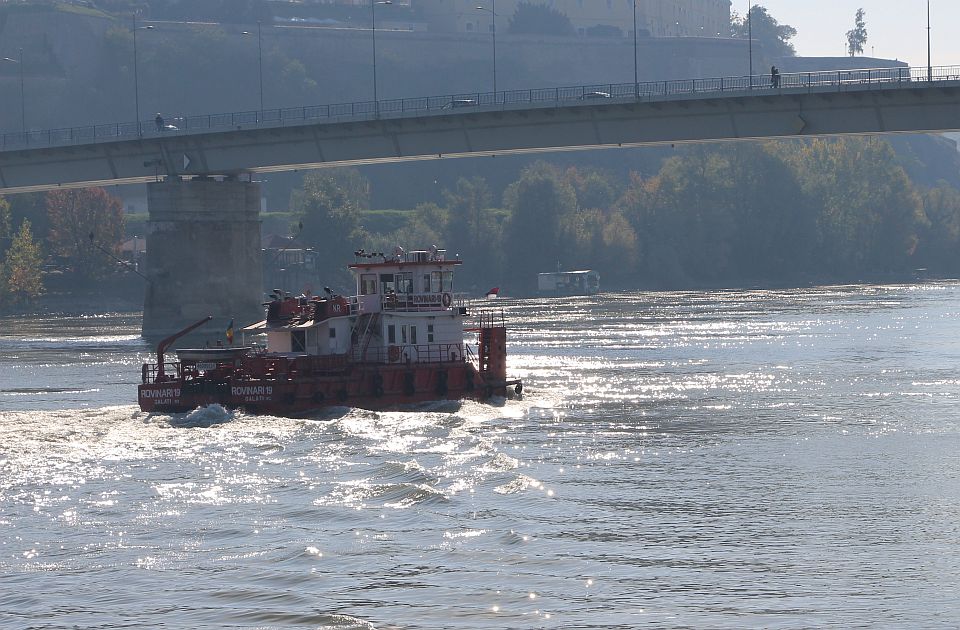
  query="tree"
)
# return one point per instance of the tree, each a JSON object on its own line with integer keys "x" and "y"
{"x": 537, "y": 202}
{"x": 770, "y": 34}
{"x": 6, "y": 231}
{"x": 857, "y": 37}
{"x": 539, "y": 19}
{"x": 86, "y": 228}
{"x": 328, "y": 207}
{"x": 466, "y": 204}
{"x": 20, "y": 274}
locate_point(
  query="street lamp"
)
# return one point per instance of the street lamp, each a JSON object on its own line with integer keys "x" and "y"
{"x": 373, "y": 19}
{"x": 636, "y": 75}
{"x": 259, "y": 59}
{"x": 493, "y": 22}
{"x": 23, "y": 109}
{"x": 136, "y": 71}
{"x": 929, "y": 64}
{"x": 750, "y": 37}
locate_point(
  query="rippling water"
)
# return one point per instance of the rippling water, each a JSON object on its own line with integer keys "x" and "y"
{"x": 725, "y": 459}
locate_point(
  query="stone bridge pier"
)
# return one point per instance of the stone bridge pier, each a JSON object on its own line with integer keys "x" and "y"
{"x": 203, "y": 255}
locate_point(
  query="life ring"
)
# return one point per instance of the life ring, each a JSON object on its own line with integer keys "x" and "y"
{"x": 447, "y": 299}
{"x": 393, "y": 352}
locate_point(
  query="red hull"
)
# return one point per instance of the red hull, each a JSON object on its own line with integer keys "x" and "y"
{"x": 374, "y": 386}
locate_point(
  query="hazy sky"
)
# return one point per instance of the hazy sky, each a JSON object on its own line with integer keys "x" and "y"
{"x": 896, "y": 28}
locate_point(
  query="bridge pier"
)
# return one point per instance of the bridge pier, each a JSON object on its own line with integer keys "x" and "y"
{"x": 203, "y": 255}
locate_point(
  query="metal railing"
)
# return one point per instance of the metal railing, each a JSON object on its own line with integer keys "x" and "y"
{"x": 837, "y": 80}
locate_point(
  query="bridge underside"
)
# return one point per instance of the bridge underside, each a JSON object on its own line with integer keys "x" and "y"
{"x": 611, "y": 123}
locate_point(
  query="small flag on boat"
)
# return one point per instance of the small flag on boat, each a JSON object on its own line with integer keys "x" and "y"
{"x": 230, "y": 332}
{"x": 493, "y": 293}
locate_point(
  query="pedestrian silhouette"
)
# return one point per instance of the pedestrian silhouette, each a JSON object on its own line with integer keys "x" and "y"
{"x": 159, "y": 121}
{"x": 774, "y": 77}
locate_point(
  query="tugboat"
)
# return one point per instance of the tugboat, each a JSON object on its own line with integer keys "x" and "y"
{"x": 399, "y": 340}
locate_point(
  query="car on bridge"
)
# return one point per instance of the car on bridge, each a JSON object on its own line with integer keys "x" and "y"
{"x": 460, "y": 102}
{"x": 586, "y": 96}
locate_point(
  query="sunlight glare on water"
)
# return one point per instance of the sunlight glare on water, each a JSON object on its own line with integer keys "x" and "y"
{"x": 716, "y": 459}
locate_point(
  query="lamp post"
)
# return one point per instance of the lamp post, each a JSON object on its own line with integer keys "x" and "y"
{"x": 373, "y": 19}
{"x": 259, "y": 58}
{"x": 136, "y": 72}
{"x": 23, "y": 109}
{"x": 750, "y": 36}
{"x": 929, "y": 62}
{"x": 636, "y": 74}
{"x": 493, "y": 29}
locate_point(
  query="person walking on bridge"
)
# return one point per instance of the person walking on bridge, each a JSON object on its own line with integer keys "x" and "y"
{"x": 774, "y": 77}
{"x": 159, "y": 121}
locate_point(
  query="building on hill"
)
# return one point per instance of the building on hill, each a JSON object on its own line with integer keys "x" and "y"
{"x": 655, "y": 18}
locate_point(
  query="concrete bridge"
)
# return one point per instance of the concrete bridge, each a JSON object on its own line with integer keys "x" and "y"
{"x": 195, "y": 167}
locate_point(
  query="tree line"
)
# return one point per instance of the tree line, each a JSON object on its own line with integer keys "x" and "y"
{"x": 737, "y": 214}
{"x": 779, "y": 212}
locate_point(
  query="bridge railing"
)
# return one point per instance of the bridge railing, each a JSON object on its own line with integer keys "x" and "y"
{"x": 840, "y": 80}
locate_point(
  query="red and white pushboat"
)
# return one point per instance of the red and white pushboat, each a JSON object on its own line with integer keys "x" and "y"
{"x": 399, "y": 340}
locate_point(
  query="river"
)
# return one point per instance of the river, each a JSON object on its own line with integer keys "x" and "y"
{"x": 725, "y": 459}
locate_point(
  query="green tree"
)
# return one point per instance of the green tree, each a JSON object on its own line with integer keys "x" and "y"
{"x": 772, "y": 36}
{"x": 537, "y": 18}
{"x": 537, "y": 202}
{"x": 6, "y": 230}
{"x": 86, "y": 229}
{"x": 868, "y": 212}
{"x": 328, "y": 208}
{"x": 466, "y": 204}
{"x": 857, "y": 37}
{"x": 20, "y": 274}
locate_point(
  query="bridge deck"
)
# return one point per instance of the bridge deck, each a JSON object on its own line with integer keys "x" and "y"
{"x": 549, "y": 119}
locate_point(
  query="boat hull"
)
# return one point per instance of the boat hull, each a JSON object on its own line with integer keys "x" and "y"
{"x": 374, "y": 387}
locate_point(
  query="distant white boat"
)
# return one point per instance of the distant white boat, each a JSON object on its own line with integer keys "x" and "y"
{"x": 586, "y": 282}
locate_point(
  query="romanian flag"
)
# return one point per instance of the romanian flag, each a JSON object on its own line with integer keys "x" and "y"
{"x": 230, "y": 332}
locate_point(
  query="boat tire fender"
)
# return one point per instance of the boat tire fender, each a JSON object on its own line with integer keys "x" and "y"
{"x": 409, "y": 386}
{"x": 318, "y": 397}
{"x": 447, "y": 299}
{"x": 342, "y": 395}
{"x": 393, "y": 353}
{"x": 518, "y": 389}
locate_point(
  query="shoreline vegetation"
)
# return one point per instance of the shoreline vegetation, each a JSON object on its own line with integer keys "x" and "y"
{"x": 744, "y": 215}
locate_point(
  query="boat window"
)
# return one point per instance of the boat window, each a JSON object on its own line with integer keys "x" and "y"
{"x": 447, "y": 281}
{"x": 368, "y": 284}
{"x": 333, "y": 333}
{"x": 413, "y": 335}
{"x": 298, "y": 341}
{"x": 386, "y": 283}
{"x": 391, "y": 334}
{"x": 425, "y": 288}
{"x": 429, "y": 333}
{"x": 403, "y": 335}
{"x": 404, "y": 282}
{"x": 435, "y": 282}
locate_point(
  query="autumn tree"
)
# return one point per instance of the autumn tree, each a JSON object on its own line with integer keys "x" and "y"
{"x": 857, "y": 36}
{"x": 20, "y": 273}
{"x": 86, "y": 229}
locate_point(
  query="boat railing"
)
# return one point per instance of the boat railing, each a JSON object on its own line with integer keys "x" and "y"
{"x": 412, "y": 353}
{"x": 422, "y": 302}
{"x": 171, "y": 372}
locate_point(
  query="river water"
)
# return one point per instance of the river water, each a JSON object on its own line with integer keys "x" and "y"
{"x": 775, "y": 459}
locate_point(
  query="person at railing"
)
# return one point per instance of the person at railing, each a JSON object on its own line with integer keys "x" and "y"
{"x": 159, "y": 121}
{"x": 774, "y": 77}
